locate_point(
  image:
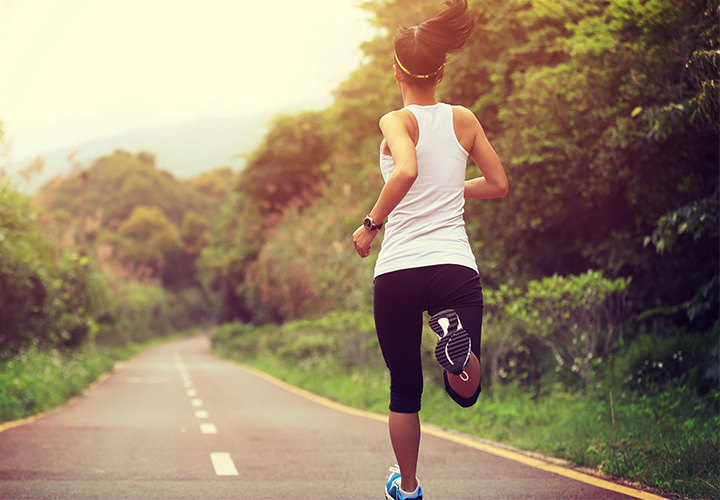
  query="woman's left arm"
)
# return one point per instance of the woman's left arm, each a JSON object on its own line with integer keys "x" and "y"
{"x": 494, "y": 182}
{"x": 395, "y": 127}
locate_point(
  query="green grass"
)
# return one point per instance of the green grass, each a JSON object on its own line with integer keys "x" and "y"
{"x": 640, "y": 439}
{"x": 668, "y": 440}
{"x": 36, "y": 381}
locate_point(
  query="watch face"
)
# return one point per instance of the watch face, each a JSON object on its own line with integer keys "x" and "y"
{"x": 367, "y": 223}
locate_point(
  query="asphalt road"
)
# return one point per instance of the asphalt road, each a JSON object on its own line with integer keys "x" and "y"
{"x": 177, "y": 423}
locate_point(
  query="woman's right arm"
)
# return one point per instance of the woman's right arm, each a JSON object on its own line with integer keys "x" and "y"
{"x": 493, "y": 183}
{"x": 395, "y": 128}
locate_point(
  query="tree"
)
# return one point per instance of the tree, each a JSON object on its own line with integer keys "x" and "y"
{"x": 286, "y": 173}
{"x": 146, "y": 239}
{"x": 195, "y": 232}
{"x": 557, "y": 85}
{"x": 700, "y": 220}
{"x": 213, "y": 189}
{"x": 47, "y": 297}
{"x": 287, "y": 168}
{"x": 237, "y": 236}
{"x": 117, "y": 185}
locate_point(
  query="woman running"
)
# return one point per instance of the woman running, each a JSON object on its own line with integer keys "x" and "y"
{"x": 426, "y": 263}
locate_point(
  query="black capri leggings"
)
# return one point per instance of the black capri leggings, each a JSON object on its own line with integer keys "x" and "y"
{"x": 399, "y": 300}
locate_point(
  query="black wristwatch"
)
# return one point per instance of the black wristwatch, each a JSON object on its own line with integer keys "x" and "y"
{"x": 370, "y": 225}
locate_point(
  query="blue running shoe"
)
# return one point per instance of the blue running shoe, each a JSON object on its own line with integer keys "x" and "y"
{"x": 453, "y": 347}
{"x": 392, "y": 488}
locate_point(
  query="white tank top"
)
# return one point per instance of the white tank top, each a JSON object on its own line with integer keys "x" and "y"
{"x": 427, "y": 227}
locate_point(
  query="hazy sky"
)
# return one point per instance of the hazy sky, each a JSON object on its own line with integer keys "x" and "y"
{"x": 72, "y": 70}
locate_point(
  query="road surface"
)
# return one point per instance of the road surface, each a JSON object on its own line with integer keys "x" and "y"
{"x": 177, "y": 423}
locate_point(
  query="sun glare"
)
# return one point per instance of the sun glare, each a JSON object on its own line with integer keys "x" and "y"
{"x": 79, "y": 69}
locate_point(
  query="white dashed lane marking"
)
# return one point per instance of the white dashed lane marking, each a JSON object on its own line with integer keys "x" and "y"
{"x": 208, "y": 428}
{"x": 223, "y": 464}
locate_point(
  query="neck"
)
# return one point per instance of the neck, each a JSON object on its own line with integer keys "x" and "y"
{"x": 422, "y": 96}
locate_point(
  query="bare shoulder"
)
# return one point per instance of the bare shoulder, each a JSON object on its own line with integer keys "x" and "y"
{"x": 400, "y": 122}
{"x": 467, "y": 127}
{"x": 464, "y": 117}
{"x": 399, "y": 116}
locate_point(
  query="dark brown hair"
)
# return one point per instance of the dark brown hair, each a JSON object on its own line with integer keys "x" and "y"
{"x": 423, "y": 49}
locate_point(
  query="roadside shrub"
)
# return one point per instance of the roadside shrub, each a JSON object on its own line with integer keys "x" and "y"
{"x": 35, "y": 380}
{"x": 345, "y": 338}
{"x": 302, "y": 272}
{"x": 136, "y": 312}
{"x": 660, "y": 360}
{"x": 580, "y": 318}
{"x": 243, "y": 340}
{"x": 49, "y": 297}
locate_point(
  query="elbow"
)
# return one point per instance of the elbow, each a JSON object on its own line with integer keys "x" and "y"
{"x": 411, "y": 176}
{"x": 502, "y": 188}
{"x": 407, "y": 175}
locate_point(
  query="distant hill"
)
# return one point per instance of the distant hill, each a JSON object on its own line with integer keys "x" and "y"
{"x": 185, "y": 150}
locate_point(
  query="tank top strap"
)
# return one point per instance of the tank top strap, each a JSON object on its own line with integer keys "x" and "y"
{"x": 433, "y": 121}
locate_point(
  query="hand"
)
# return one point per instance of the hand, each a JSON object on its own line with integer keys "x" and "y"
{"x": 363, "y": 241}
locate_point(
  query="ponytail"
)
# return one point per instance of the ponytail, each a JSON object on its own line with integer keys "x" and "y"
{"x": 421, "y": 51}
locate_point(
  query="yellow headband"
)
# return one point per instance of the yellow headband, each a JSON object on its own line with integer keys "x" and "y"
{"x": 412, "y": 74}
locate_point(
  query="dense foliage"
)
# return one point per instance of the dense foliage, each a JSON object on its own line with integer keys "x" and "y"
{"x": 137, "y": 218}
{"x": 600, "y": 268}
{"x": 46, "y": 300}
{"x": 105, "y": 256}
{"x": 605, "y": 117}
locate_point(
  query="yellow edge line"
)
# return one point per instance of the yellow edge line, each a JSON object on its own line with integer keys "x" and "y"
{"x": 467, "y": 441}
{"x": 314, "y": 397}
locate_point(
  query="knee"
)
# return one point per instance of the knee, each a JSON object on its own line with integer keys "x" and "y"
{"x": 405, "y": 400}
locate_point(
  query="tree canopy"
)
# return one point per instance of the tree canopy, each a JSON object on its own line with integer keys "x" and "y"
{"x": 603, "y": 113}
